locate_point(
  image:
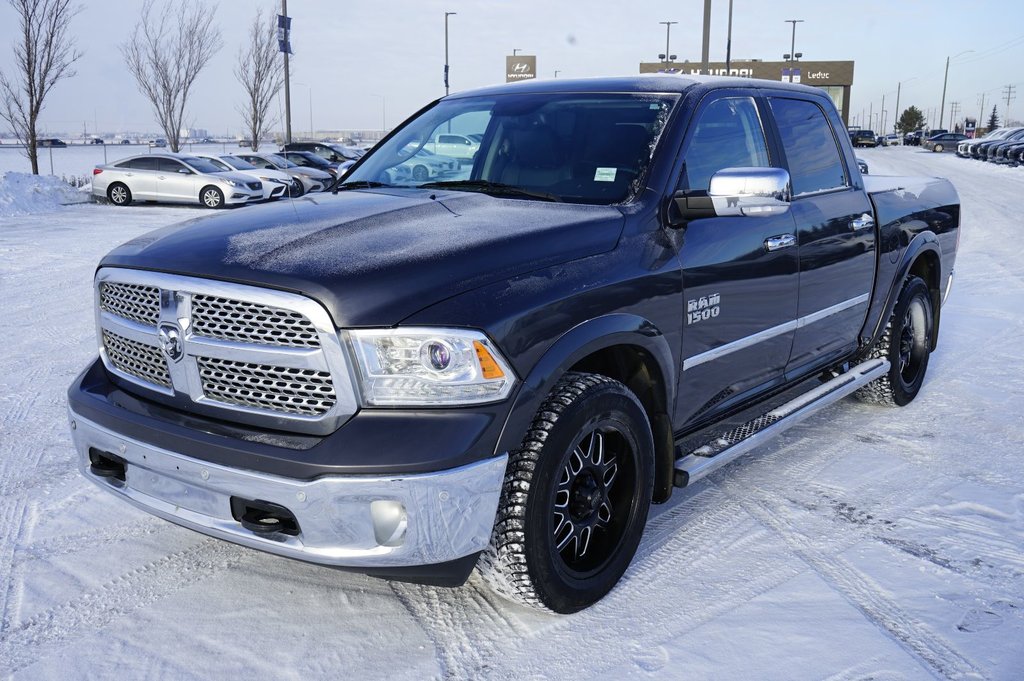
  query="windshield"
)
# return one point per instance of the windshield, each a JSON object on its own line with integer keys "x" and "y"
{"x": 280, "y": 161}
{"x": 237, "y": 163}
{"x": 347, "y": 152}
{"x": 221, "y": 165}
{"x": 578, "y": 148}
{"x": 310, "y": 157}
{"x": 203, "y": 165}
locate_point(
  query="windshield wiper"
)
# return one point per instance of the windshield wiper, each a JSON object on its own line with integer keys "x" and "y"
{"x": 359, "y": 184}
{"x": 488, "y": 187}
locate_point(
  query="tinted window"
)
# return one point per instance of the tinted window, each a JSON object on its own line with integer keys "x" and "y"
{"x": 815, "y": 163}
{"x": 238, "y": 164}
{"x": 452, "y": 139}
{"x": 728, "y": 135}
{"x": 201, "y": 164}
{"x": 145, "y": 163}
{"x": 169, "y": 165}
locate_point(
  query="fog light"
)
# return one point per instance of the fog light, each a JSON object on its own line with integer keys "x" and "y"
{"x": 389, "y": 522}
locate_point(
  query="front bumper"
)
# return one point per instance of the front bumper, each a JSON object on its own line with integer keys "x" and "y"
{"x": 343, "y": 520}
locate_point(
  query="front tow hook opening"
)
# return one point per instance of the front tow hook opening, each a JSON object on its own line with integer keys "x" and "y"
{"x": 264, "y": 518}
{"x": 106, "y": 465}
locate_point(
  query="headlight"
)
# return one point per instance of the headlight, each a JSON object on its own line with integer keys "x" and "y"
{"x": 230, "y": 183}
{"x": 426, "y": 366}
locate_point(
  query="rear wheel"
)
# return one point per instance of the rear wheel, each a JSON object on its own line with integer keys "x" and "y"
{"x": 211, "y": 197}
{"x": 937, "y": 147}
{"x": 119, "y": 194}
{"x": 906, "y": 343}
{"x": 420, "y": 174}
{"x": 575, "y": 498}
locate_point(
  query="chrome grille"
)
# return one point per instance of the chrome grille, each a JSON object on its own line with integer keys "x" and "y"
{"x": 131, "y": 301}
{"x": 237, "y": 320}
{"x": 259, "y": 356}
{"x": 138, "y": 359}
{"x": 297, "y": 391}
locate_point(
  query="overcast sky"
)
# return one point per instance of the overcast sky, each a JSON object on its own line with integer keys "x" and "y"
{"x": 357, "y": 56}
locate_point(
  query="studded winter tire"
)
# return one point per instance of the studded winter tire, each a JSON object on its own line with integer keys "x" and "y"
{"x": 906, "y": 343}
{"x": 575, "y": 498}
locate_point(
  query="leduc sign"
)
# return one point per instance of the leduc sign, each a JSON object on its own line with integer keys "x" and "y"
{"x": 521, "y": 67}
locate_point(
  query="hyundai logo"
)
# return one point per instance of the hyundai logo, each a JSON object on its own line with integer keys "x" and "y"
{"x": 170, "y": 341}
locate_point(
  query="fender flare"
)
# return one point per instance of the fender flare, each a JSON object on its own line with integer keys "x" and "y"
{"x": 923, "y": 242}
{"x": 572, "y": 346}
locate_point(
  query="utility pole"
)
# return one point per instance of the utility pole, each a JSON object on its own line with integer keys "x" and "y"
{"x": 954, "y": 109}
{"x": 728, "y": 43}
{"x": 981, "y": 114}
{"x": 284, "y": 45}
{"x": 792, "y": 43}
{"x": 945, "y": 79}
{"x": 515, "y": 51}
{"x": 871, "y": 114}
{"x": 668, "y": 30}
{"x": 707, "y": 38}
{"x": 881, "y": 117}
{"x": 556, "y": 73}
{"x": 446, "y": 15}
{"x": 1010, "y": 96}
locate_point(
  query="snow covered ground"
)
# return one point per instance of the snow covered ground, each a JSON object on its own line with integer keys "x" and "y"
{"x": 866, "y": 543}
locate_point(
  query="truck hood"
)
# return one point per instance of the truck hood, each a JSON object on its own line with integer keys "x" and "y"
{"x": 375, "y": 257}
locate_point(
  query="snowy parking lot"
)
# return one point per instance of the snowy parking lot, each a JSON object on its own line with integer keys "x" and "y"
{"x": 866, "y": 543}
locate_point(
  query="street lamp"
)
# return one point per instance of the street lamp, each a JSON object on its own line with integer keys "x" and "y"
{"x": 310, "y": 88}
{"x": 446, "y": 15}
{"x": 899, "y": 85}
{"x": 944, "y": 80}
{"x": 668, "y": 30}
{"x": 792, "y": 44}
{"x": 515, "y": 51}
{"x": 556, "y": 73}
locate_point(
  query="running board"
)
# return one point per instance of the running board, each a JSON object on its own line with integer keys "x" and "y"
{"x": 737, "y": 442}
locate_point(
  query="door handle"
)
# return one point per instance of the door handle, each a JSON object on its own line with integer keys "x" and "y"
{"x": 862, "y": 222}
{"x": 160, "y": 177}
{"x": 776, "y": 243}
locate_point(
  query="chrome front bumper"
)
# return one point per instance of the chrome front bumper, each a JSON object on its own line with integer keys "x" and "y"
{"x": 351, "y": 521}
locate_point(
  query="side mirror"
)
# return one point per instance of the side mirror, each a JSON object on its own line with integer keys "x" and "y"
{"x": 754, "y": 192}
{"x": 184, "y": 171}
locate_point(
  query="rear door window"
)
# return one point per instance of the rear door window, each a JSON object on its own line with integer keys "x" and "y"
{"x": 145, "y": 163}
{"x": 815, "y": 162}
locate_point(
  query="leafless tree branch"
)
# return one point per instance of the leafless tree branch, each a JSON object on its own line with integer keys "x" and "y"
{"x": 44, "y": 56}
{"x": 166, "y": 53}
{"x": 260, "y": 74}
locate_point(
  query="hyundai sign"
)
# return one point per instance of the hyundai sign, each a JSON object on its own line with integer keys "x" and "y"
{"x": 521, "y": 67}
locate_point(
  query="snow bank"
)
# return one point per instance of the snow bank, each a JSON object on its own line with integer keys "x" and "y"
{"x": 22, "y": 194}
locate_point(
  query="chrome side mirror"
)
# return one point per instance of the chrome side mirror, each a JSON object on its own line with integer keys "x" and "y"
{"x": 755, "y": 192}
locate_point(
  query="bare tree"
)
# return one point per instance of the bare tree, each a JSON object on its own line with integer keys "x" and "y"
{"x": 166, "y": 52}
{"x": 42, "y": 58}
{"x": 260, "y": 74}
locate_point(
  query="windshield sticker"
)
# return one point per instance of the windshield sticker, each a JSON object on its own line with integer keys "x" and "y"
{"x": 605, "y": 174}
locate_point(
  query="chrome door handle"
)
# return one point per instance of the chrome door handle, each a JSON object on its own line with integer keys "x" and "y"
{"x": 775, "y": 243}
{"x": 862, "y": 222}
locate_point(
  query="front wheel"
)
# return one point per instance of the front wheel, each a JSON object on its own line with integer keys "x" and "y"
{"x": 906, "y": 343}
{"x": 937, "y": 147}
{"x": 575, "y": 498}
{"x": 211, "y": 197}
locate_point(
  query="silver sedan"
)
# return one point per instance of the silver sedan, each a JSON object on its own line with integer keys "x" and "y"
{"x": 172, "y": 178}
{"x": 312, "y": 180}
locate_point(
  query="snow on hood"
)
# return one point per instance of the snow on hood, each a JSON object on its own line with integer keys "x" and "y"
{"x": 24, "y": 194}
{"x": 375, "y": 257}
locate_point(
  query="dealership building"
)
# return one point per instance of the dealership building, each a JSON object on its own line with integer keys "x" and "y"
{"x": 834, "y": 77}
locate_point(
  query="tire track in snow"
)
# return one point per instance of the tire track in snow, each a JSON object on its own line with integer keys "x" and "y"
{"x": 48, "y": 631}
{"x": 12, "y": 522}
{"x": 933, "y": 651}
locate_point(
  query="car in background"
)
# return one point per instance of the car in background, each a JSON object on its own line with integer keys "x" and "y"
{"x": 863, "y": 138}
{"x": 978, "y": 148}
{"x": 987, "y": 150}
{"x": 275, "y": 183}
{"x": 125, "y": 141}
{"x": 946, "y": 141}
{"x": 51, "y": 142}
{"x": 892, "y": 140}
{"x": 330, "y": 152}
{"x": 425, "y": 165}
{"x": 172, "y": 178}
{"x": 158, "y": 143}
{"x": 963, "y": 150}
{"x": 462, "y": 147}
{"x": 307, "y": 159}
{"x": 312, "y": 180}
{"x": 96, "y": 140}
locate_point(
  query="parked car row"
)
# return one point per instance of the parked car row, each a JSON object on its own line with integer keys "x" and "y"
{"x": 211, "y": 180}
{"x": 1003, "y": 146}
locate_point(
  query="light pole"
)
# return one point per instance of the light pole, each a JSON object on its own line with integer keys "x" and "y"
{"x": 310, "y": 88}
{"x": 705, "y": 46}
{"x": 556, "y": 73}
{"x": 945, "y": 79}
{"x": 515, "y": 51}
{"x": 728, "y": 43}
{"x": 792, "y": 42}
{"x": 446, "y": 15}
{"x": 668, "y": 30}
{"x": 899, "y": 85}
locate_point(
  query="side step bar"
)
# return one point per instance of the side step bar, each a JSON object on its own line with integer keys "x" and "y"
{"x": 737, "y": 442}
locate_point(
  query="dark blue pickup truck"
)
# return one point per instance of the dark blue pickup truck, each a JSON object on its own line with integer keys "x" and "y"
{"x": 630, "y": 283}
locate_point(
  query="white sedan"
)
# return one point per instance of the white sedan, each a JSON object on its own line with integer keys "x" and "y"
{"x": 275, "y": 183}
